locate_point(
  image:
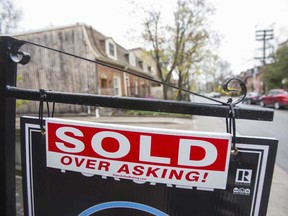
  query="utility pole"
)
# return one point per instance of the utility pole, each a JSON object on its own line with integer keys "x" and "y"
{"x": 264, "y": 35}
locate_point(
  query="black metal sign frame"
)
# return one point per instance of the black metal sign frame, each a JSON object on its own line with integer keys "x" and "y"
{"x": 51, "y": 191}
{"x": 10, "y": 57}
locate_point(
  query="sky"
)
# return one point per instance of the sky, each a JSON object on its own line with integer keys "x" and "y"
{"x": 235, "y": 21}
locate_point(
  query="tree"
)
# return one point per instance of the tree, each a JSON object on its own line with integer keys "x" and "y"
{"x": 209, "y": 68}
{"x": 9, "y": 16}
{"x": 275, "y": 73}
{"x": 178, "y": 45}
{"x": 223, "y": 72}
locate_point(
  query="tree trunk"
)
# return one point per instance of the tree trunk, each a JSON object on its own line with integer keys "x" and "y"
{"x": 165, "y": 92}
{"x": 179, "y": 95}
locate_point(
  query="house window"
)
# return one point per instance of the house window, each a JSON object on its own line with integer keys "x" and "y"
{"x": 132, "y": 59}
{"x": 117, "y": 86}
{"x": 104, "y": 83}
{"x": 111, "y": 49}
{"x": 128, "y": 93}
{"x": 153, "y": 71}
{"x": 145, "y": 68}
{"x": 149, "y": 69}
{"x": 136, "y": 92}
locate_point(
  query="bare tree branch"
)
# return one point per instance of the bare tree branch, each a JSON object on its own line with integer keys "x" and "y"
{"x": 9, "y": 16}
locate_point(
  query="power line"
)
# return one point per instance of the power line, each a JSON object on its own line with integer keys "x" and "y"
{"x": 264, "y": 35}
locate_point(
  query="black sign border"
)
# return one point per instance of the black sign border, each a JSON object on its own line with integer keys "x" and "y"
{"x": 265, "y": 147}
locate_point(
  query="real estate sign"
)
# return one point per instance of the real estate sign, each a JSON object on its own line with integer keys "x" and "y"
{"x": 81, "y": 168}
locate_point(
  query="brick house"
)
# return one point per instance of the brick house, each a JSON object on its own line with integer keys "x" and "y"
{"x": 253, "y": 79}
{"x": 54, "y": 69}
{"x": 149, "y": 65}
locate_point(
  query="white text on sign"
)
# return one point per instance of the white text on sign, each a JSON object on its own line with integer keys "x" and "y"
{"x": 161, "y": 156}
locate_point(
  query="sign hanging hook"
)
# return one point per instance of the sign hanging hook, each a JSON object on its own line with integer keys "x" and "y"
{"x": 231, "y": 118}
{"x": 242, "y": 93}
{"x": 231, "y": 126}
{"x": 43, "y": 97}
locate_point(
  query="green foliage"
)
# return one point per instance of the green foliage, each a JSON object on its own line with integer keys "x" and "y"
{"x": 155, "y": 114}
{"x": 275, "y": 73}
{"x": 20, "y": 103}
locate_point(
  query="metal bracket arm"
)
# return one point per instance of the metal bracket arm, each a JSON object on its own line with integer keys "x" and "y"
{"x": 182, "y": 107}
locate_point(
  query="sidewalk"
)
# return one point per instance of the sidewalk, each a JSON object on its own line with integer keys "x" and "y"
{"x": 279, "y": 191}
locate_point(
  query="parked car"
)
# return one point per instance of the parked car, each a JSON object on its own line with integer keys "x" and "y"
{"x": 276, "y": 98}
{"x": 213, "y": 95}
{"x": 252, "y": 98}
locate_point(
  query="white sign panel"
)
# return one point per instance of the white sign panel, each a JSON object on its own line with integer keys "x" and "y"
{"x": 181, "y": 158}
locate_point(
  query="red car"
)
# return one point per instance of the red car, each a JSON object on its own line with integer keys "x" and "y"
{"x": 276, "y": 98}
{"x": 252, "y": 98}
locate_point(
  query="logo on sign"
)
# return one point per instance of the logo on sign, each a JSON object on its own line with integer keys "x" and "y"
{"x": 243, "y": 176}
{"x": 122, "y": 204}
{"x": 241, "y": 191}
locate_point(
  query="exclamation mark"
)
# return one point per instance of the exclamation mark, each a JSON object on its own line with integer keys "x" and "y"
{"x": 204, "y": 177}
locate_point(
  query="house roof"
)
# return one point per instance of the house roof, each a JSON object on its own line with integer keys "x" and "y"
{"x": 96, "y": 42}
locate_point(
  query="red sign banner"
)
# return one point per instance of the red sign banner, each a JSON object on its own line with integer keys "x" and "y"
{"x": 172, "y": 157}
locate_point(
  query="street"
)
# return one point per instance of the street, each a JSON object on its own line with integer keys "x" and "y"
{"x": 278, "y": 129}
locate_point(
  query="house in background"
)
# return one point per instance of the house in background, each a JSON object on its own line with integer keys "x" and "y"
{"x": 149, "y": 66}
{"x": 253, "y": 79}
{"x": 54, "y": 69}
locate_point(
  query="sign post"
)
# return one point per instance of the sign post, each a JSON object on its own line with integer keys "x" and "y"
{"x": 7, "y": 130}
